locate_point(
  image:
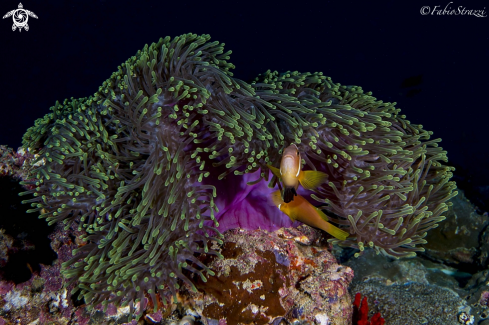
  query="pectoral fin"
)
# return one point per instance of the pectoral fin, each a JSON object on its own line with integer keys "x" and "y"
{"x": 277, "y": 198}
{"x": 311, "y": 179}
{"x": 279, "y": 203}
{"x": 275, "y": 171}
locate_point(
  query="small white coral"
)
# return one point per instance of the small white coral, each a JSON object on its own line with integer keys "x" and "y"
{"x": 322, "y": 319}
{"x": 465, "y": 318}
{"x": 60, "y": 298}
{"x": 14, "y": 300}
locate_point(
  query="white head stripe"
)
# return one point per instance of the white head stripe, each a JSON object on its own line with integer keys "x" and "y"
{"x": 298, "y": 170}
{"x": 279, "y": 206}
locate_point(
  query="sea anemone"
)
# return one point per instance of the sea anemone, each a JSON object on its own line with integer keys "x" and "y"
{"x": 145, "y": 166}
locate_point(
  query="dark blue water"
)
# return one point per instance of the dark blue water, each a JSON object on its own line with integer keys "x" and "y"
{"x": 434, "y": 66}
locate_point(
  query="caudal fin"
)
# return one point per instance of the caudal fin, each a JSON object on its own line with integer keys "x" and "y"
{"x": 311, "y": 179}
{"x": 331, "y": 229}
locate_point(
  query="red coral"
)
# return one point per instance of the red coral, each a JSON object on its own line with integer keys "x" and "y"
{"x": 360, "y": 313}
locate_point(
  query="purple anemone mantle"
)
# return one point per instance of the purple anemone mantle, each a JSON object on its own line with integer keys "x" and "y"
{"x": 248, "y": 206}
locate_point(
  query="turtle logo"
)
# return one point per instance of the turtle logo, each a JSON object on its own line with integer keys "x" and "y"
{"x": 20, "y": 17}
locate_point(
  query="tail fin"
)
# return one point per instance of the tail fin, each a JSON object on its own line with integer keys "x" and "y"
{"x": 331, "y": 229}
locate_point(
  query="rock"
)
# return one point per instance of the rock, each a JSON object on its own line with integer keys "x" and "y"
{"x": 413, "y": 303}
{"x": 267, "y": 276}
{"x": 413, "y": 291}
{"x": 6, "y": 244}
{"x": 457, "y": 241}
{"x": 371, "y": 266}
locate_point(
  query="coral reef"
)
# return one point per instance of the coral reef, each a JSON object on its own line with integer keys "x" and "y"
{"x": 23, "y": 240}
{"x": 477, "y": 295}
{"x": 17, "y": 164}
{"x": 45, "y": 298}
{"x": 42, "y": 299}
{"x": 137, "y": 166}
{"x": 270, "y": 276}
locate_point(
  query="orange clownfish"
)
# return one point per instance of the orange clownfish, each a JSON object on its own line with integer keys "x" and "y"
{"x": 291, "y": 174}
{"x": 301, "y": 210}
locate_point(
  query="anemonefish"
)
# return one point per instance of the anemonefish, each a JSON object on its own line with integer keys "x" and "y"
{"x": 295, "y": 206}
{"x": 291, "y": 174}
{"x": 301, "y": 210}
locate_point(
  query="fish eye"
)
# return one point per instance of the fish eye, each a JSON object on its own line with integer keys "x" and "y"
{"x": 297, "y": 152}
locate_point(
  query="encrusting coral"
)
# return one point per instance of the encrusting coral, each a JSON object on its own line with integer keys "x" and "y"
{"x": 129, "y": 164}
